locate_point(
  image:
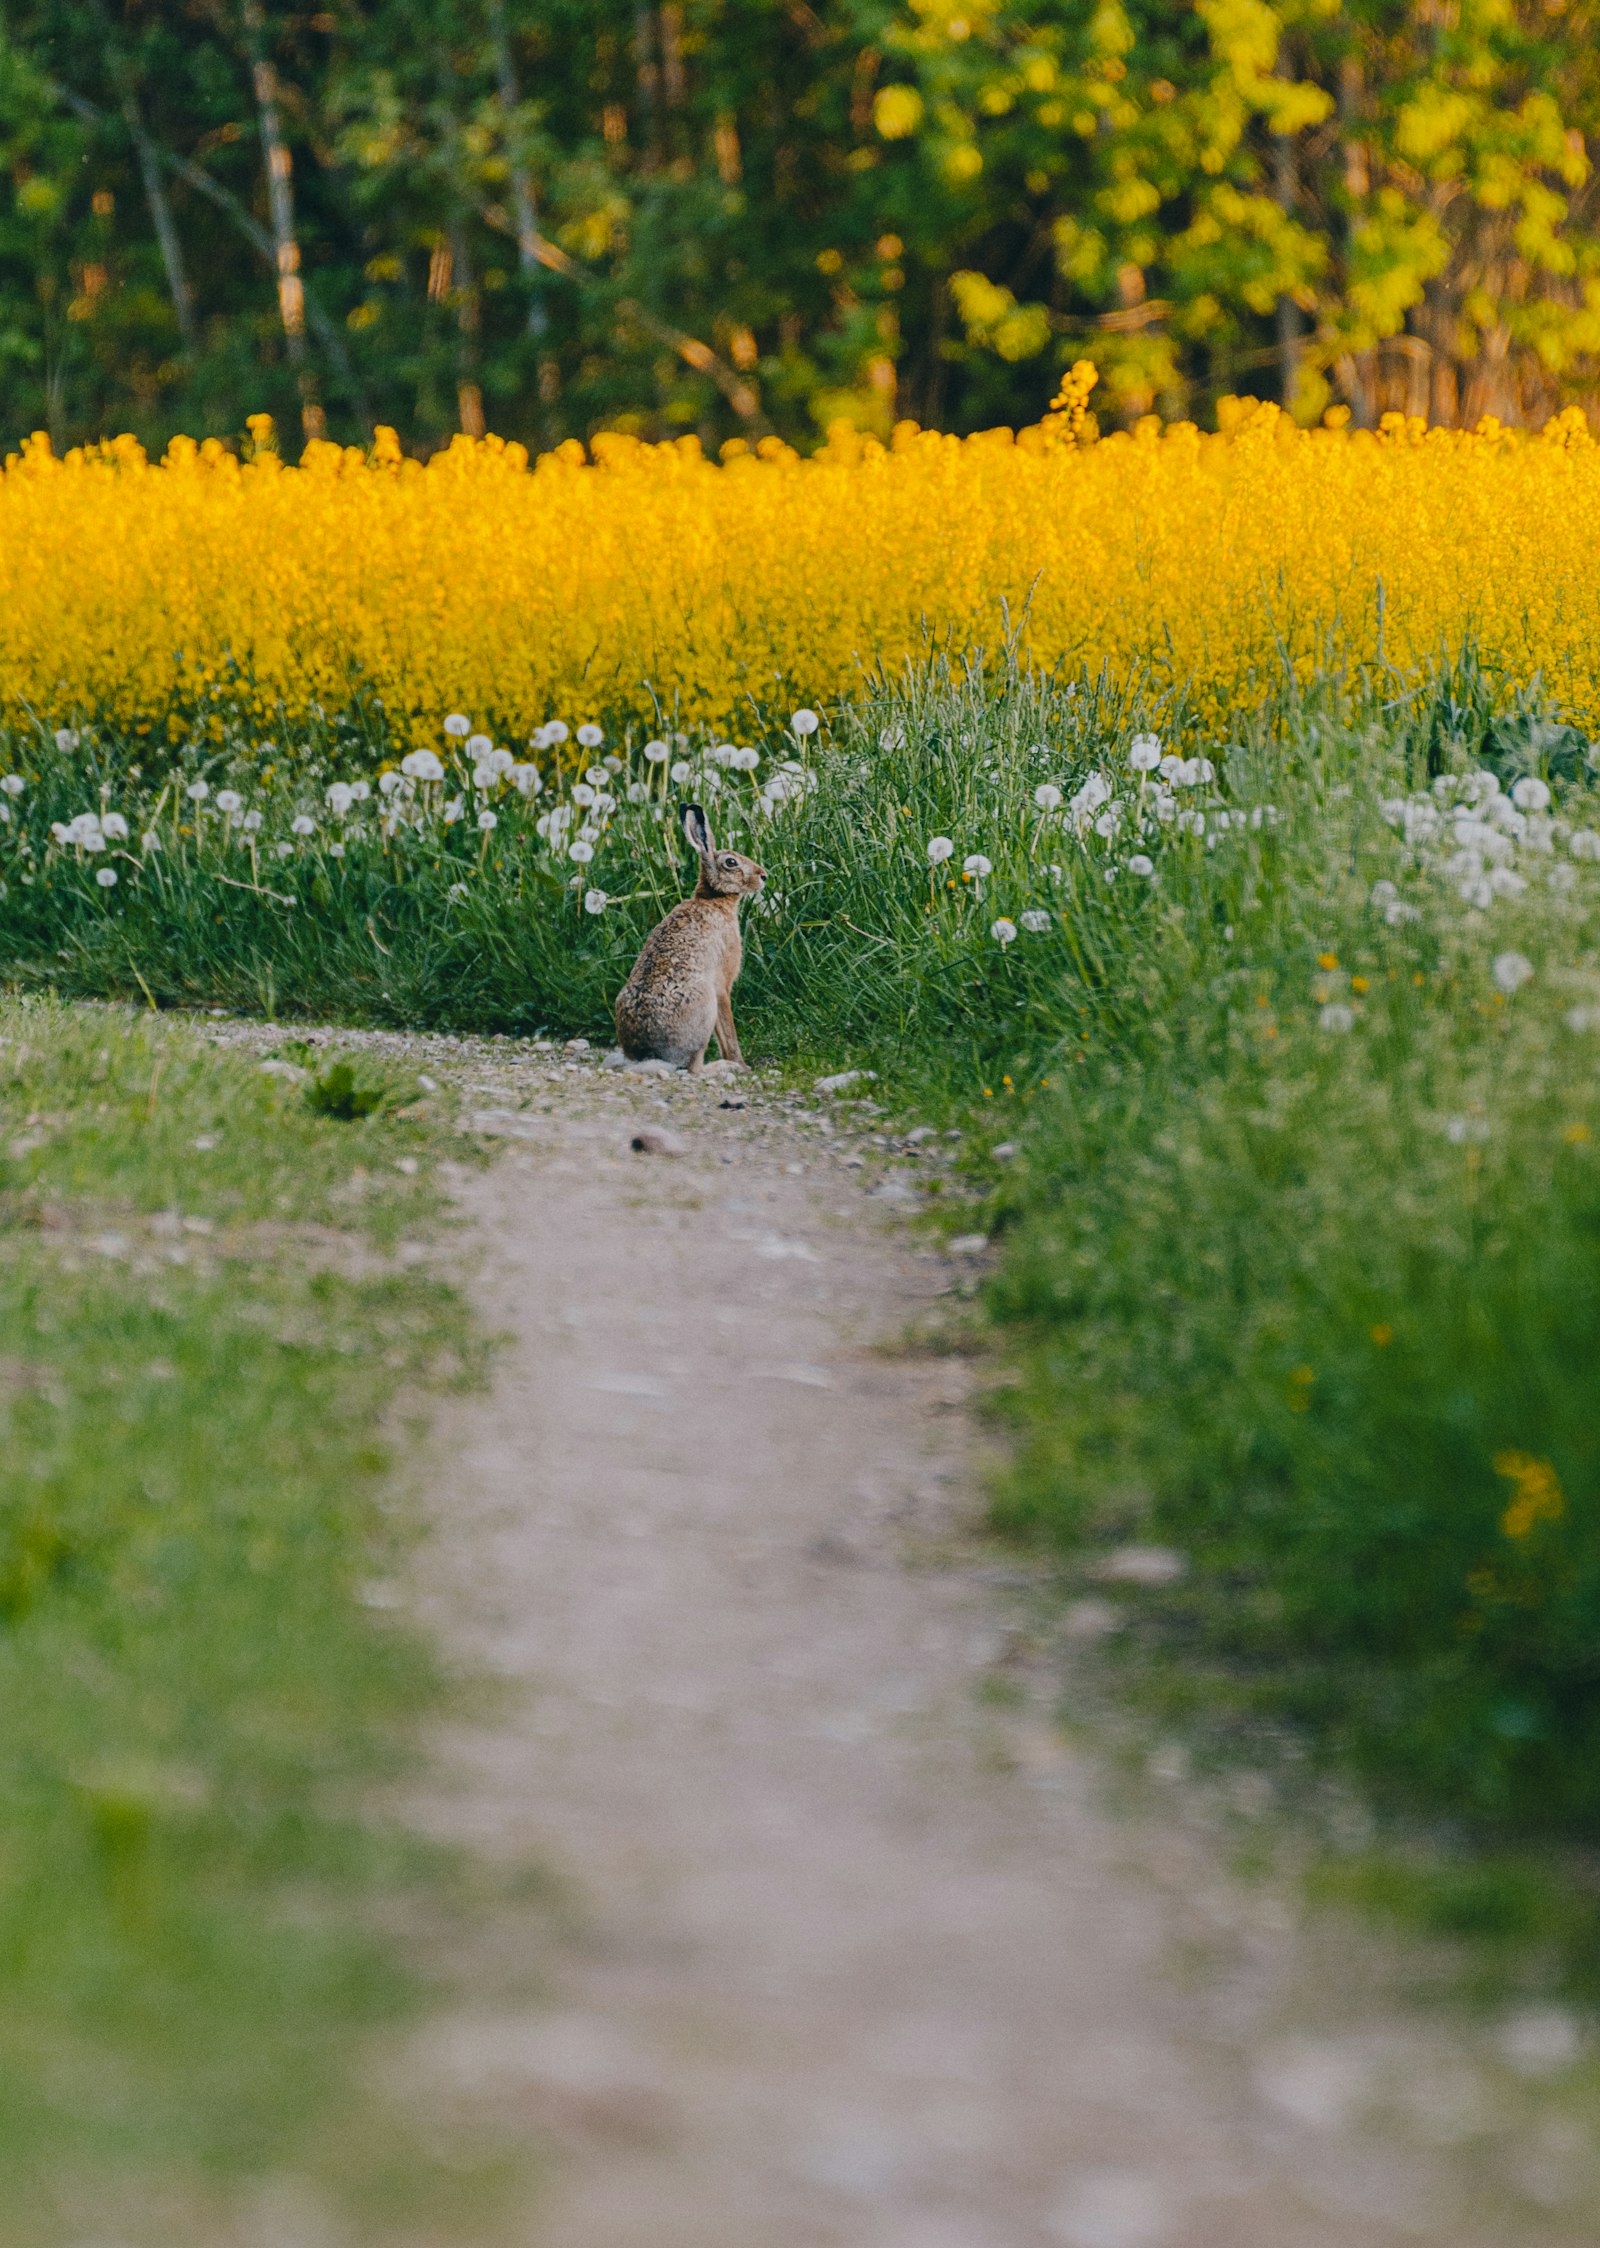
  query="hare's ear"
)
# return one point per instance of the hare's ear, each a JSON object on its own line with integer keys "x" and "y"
{"x": 695, "y": 827}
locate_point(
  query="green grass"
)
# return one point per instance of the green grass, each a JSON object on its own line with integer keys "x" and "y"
{"x": 1301, "y": 1240}
{"x": 204, "y": 1335}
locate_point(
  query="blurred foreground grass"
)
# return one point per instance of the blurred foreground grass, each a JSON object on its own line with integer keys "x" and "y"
{"x": 207, "y": 1321}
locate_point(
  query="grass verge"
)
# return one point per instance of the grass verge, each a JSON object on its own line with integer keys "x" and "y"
{"x": 207, "y": 1322}
{"x": 1291, "y": 1034}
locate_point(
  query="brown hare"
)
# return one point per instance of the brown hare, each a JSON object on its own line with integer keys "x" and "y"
{"x": 680, "y": 992}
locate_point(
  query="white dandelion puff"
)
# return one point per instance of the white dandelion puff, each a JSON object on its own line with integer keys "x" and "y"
{"x": 1003, "y": 931}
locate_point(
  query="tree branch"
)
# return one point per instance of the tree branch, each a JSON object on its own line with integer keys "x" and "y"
{"x": 238, "y": 214}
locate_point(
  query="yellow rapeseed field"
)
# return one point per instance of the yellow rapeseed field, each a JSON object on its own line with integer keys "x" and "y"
{"x": 576, "y": 584}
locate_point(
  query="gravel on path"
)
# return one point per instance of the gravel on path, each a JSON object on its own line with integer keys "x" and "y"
{"x": 857, "y": 1951}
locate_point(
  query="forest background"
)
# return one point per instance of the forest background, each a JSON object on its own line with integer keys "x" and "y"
{"x": 742, "y": 217}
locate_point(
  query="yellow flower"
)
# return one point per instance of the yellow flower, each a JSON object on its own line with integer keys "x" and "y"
{"x": 1538, "y": 1493}
{"x": 517, "y": 589}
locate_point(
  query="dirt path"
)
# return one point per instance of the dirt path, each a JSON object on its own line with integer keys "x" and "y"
{"x": 860, "y": 1957}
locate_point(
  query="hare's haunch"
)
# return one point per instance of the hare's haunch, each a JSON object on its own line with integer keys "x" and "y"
{"x": 679, "y": 995}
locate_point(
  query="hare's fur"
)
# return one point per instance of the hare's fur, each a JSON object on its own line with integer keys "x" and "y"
{"x": 679, "y": 995}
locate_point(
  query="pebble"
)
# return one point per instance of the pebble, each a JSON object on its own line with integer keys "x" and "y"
{"x": 654, "y": 1141}
{"x": 1142, "y": 1565}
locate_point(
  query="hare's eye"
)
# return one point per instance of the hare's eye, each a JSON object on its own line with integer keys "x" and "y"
{"x": 731, "y": 865}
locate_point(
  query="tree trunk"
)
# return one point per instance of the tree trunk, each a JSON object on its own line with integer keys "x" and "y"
{"x": 1357, "y": 370}
{"x": 1288, "y": 312}
{"x": 469, "y": 315}
{"x": 155, "y": 187}
{"x": 523, "y": 205}
{"x": 280, "y": 204}
{"x": 649, "y": 77}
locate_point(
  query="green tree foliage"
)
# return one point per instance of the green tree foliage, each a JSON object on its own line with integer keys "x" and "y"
{"x": 740, "y": 217}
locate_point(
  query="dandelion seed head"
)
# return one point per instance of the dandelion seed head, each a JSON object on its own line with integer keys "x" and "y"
{"x": 1003, "y": 931}
{"x": 458, "y": 726}
{"x": 1511, "y": 970}
{"x": 595, "y": 901}
{"x": 940, "y": 848}
{"x": 977, "y": 865}
{"x": 590, "y": 736}
{"x": 106, "y": 876}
